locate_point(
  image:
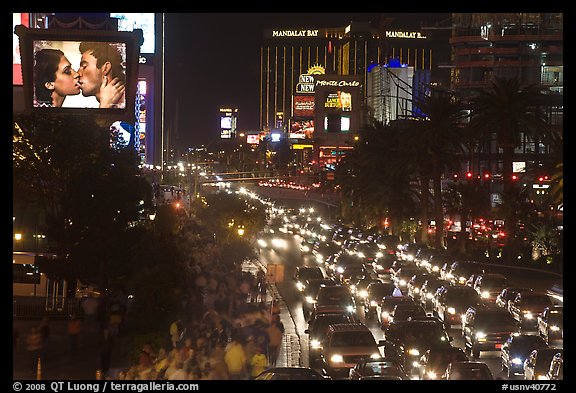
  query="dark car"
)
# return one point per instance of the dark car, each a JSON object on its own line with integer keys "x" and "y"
{"x": 304, "y": 273}
{"x": 516, "y": 350}
{"x": 427, "y": 291}
{"x": 336, "y": 298}
{"x": 538, "y": 363}
{"x": 406, "y": 311}
{"x": 386, "y": 305}
{"x": 379, "y": 368}
{"x": 486, "y": 328}
{"x": 311, "y": 288}
{"x": 451, "y": 303}
{"x": 323, "y": 250}
{"x": 375, "y": 292}
{"x": 415, "y": 284}
{"x": 317, "y": 329}
{"x": 508, "y": 294}
{"x": 489, "y": 285}
{"x": 413, "y": 338}
{"x": 470, "y": 370}
{"x": 368, "y": 252}
{"x": 290, "y": 374}
{"x": 461, "y": 272}
{"x": 403, "y": 275}
{"x": 435, "y": 360}
{"x": 526, "y": 307}
{"x": 551, "y": 323}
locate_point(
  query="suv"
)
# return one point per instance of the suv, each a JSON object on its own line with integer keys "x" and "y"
{"x": 517, "y": 349}
{"x": 316, "y": 331}
{"x": 345, "y": 345}
{"x": 453, "y": 301}
{"x": 486, "y": 328}
{"x": 304, "y": 273}
{"x": 551, "y": 323}
{"x": 526, "y": 307}
{"x": 489, "y": 285}
{"x": 335, "y": 298}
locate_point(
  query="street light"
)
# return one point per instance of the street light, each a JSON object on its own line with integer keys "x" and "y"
{"x": 241, "y": 230}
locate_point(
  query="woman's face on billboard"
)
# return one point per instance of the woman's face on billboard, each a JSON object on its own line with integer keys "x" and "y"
{"x": 66, "y": 80}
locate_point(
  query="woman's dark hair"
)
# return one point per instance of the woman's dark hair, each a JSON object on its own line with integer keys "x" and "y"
{"x": 46, "y": 63}
{"x": 104, "y": 52}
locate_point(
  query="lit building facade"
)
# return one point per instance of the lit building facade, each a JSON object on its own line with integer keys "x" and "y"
{"x": 526, "y": 46}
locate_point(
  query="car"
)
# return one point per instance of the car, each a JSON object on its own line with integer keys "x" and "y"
{"x": 323, "y": 250}
{"x": 486, "y": 328}
{"x": 526, "y": 307}
{"x": 508, "y": 294}
{"x": 436, "y": 260}
{"x": 317, "y": 329}
{"x": 290, "y": 374}
{"x": 452, "y": 302}
{"x": 378, "y": 368}
{"x": 335, "y": 298}
{"x": 304, "y": 273}
{"x": 368, "y": 252}
{"x": 415, "y": 284}
{"x": 351, "y": 273}
{"x": 516, "y": 350}
{"x": 538, "y": 363}
{"x": 470, "y": 370}
{"x": 383, "y": 265}
{"x": 345, "y": 345}
{"x": 374, "y": 293}
{"x": 435, "y": 360}
{"x": 386, "y": 305}
{"x": 310, "y": 293}
{"x": 551, "y": 323}
{"x": 413, "y": 338}
{"x": 462, "y": 270}
{"x": 427, "y": 291}
{"x": 405, "y": 311}
{"x": 489, "y": 285}
{"x": 403, "y": 275}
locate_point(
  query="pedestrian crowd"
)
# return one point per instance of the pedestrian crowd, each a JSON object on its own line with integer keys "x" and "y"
{"x": 228, "y": 331}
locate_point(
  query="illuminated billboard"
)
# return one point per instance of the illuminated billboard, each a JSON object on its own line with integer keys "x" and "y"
{"x": 79, "y": 71}
{"x": 340, "y": 100}
{"x": 253, "y": 139}
{"x": 226, "y": 123}
{"x": 301, "y": 129}
{"x": 303, "y": 106}
{"x": 143, "y": 21}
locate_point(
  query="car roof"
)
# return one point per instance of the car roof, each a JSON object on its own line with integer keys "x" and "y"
{"x": 349, "y": 327}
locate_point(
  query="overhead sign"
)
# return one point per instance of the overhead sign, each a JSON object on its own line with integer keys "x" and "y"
{"x": 295, "y": 33}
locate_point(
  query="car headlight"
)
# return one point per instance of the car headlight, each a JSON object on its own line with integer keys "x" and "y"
{"x": 360, "y": 254}
{"x": 340, "y": 269}
{"x": 310, "y": 299}
{"x": 528, "y": 315}
{"x": 429, "y": 295}
{"x": 315, "y": 344}
{"x": 431, "y": 375}
{"x": 305, "y": 248}
{"x": 485, "y": 294}
{"x": 363, "y": 294}
{"x": 379, "y": 254}
{"x": 350, "y": 308}
{"x": 385, "y": 315}
{"x": 541, "y": 377}
{"x": 462, "y": 280}
{"x": 402, "y": 283}
{"x": 336, "y": 358}
{"x": 300, "y": 286}
{"x": 375, "y": 356}
{"x": 373, "y": 303}
{"x": 554, "y": 328}
{"x": 517, "y": 361}
{"x": 435, "y": 268}
{"x": 379, "y": 267}
{"x": 451, "y": 310}
{"x": 416, "y": 290}
{"x": 480, "y": 335}
{"x": 414, "y": 352}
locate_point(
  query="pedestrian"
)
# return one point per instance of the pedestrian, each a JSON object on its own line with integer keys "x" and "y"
{"x": 258, "y": 362}
{"x": 275, "y": 333}
{"x": 176, "y": 332}
{"x": 74, "y": 330}
{"x": 34, "y": 347}
{"x": 235, "y": 359}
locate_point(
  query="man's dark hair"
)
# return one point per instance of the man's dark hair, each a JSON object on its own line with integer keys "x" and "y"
{"x": 104, "y": 52}
{"x": 45, "y": 67}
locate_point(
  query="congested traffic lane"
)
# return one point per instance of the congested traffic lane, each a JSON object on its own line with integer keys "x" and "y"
{"x": 290, "y": 256}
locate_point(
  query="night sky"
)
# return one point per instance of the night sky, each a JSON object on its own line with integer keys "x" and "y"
{"x": 212, "y": 60}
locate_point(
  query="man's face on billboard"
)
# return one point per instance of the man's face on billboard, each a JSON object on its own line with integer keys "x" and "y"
{"x": 90, "y": 75}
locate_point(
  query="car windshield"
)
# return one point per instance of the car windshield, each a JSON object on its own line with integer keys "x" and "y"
{"x": 537, "y": 300}
{"x": 429, "y": 333}
{"x": 527, "y": 343}
{"x": 494, "y": 320}
{"x": 353, "y": 339}
{"x": 334, "y": 296}
{"x": 471, "y": 373}
{"x": 380, "y": 368}
{"x": 442, "y": 359}
{"x": 379, "y": 291}
{"x": 321, "y": 324}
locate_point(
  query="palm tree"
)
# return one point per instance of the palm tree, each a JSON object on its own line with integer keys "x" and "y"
{"x": 503, "y": 113}
{"x": 438, "y": 144}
